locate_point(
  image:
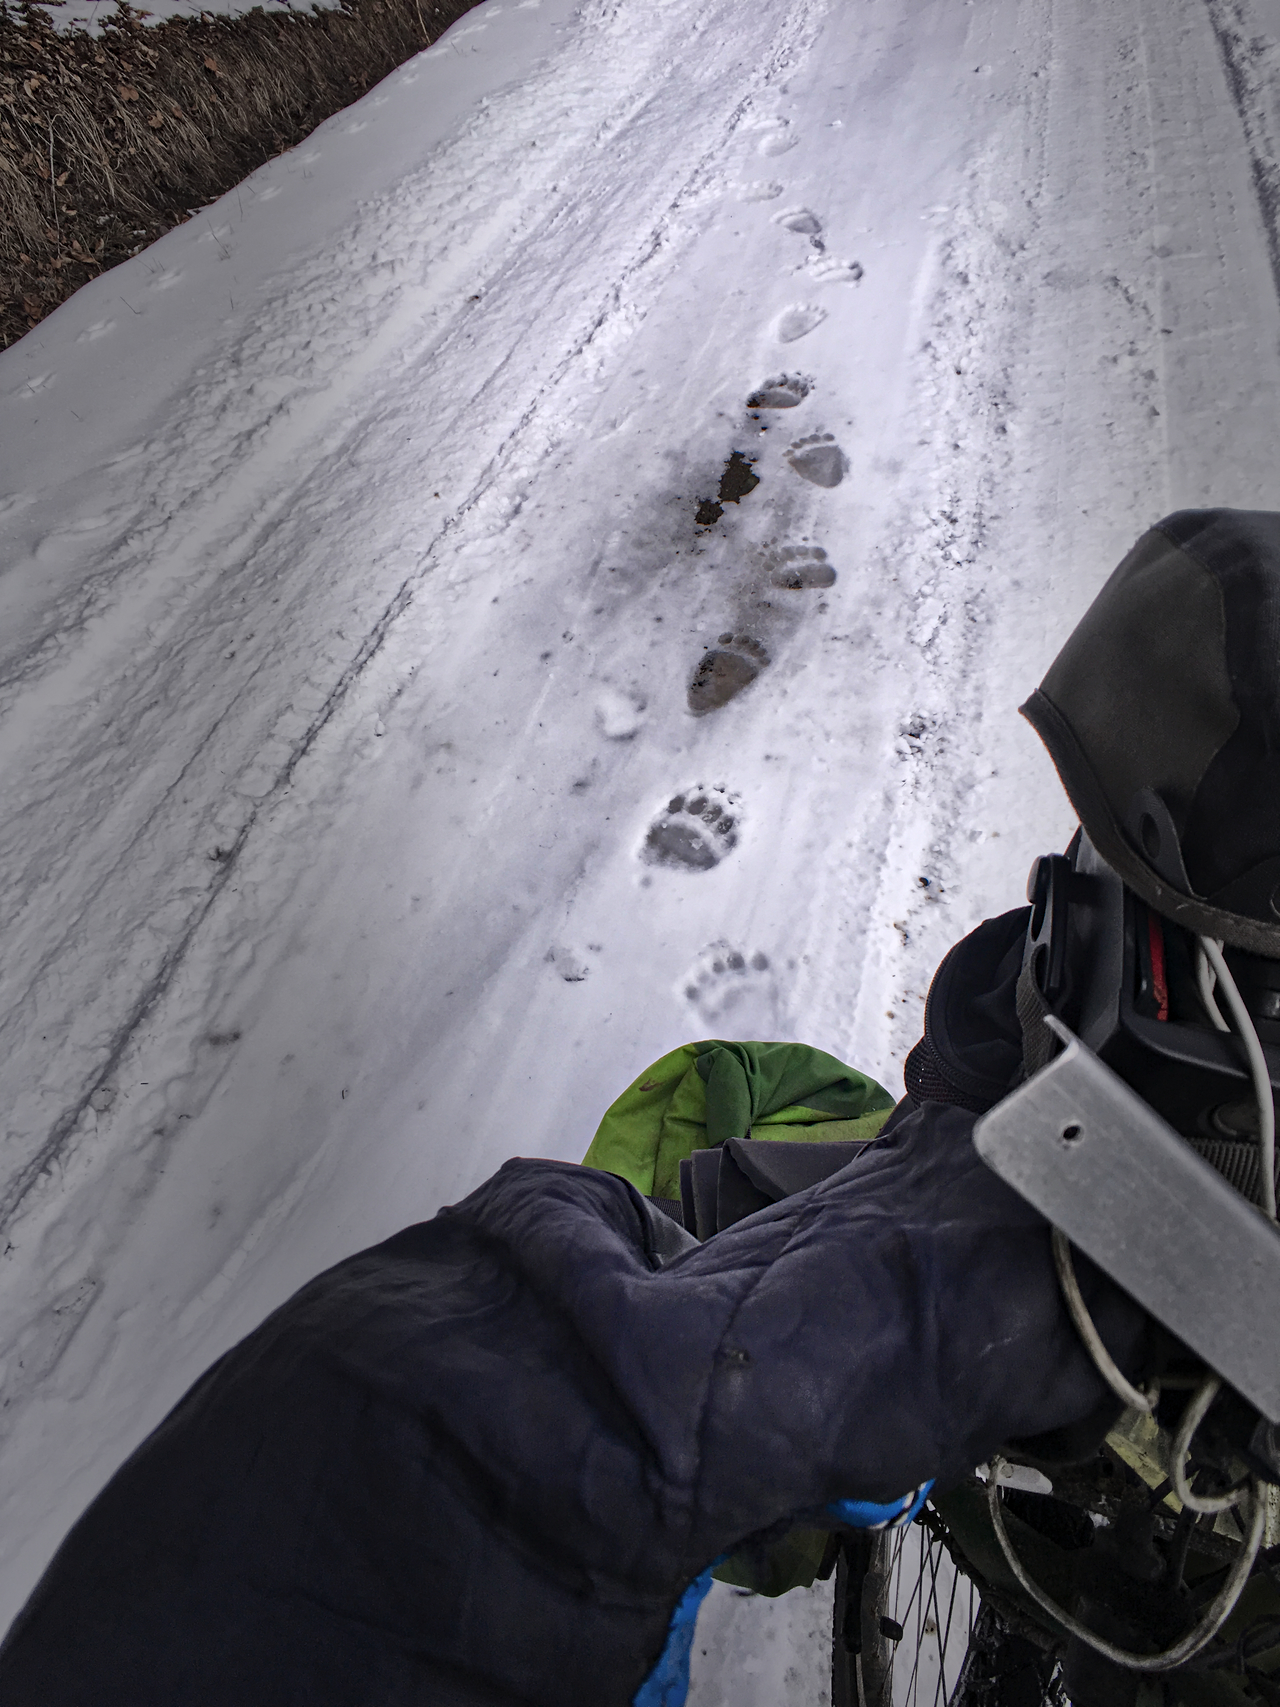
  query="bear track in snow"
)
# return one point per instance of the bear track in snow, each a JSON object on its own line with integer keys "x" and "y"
{"x": 784, "y": 392}
{"x": 819, "y": 460}
{"x": 799, "y": 568}
{"x": 724, "y": 980}
{"x": 694, "y": 830}
{"x": 724, "y": 670}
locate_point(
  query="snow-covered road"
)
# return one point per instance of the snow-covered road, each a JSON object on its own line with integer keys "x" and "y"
{"x": 359, "y": 555}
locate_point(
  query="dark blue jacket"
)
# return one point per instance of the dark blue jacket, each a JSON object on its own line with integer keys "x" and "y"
{"x": 478, "y": 1464}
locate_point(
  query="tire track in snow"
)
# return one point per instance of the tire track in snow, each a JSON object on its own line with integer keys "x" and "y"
{"x": 934, "y": 559}
{"x": 1251, "y": 64}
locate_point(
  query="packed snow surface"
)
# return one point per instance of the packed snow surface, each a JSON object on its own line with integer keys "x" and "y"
{"x": 545, "y": 571}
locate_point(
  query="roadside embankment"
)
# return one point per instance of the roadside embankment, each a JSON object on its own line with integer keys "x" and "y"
{"x": 109, "y": 139}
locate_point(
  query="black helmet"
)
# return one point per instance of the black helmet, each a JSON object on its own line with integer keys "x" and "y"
{"x": 1162, "y": 715}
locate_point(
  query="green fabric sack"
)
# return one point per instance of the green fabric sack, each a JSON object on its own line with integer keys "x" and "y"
{"x": 693, "y": 1099}
{"x": 702, "y": 1093}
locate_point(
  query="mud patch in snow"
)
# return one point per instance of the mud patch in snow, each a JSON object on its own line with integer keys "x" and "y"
{"x": 737, "y": 480}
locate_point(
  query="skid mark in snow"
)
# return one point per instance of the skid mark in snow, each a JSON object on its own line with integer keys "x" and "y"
{"x": 724, "y": 671}
{"x": 818, "y": 459}
{"x": 798, "y": 321}
{"x": 694, "y": 830}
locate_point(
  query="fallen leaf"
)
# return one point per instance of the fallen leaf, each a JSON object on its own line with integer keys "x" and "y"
{"x": 61, "y": 179}
{"x": 156, "y": 120}
{"x": 32, "y": 307}
{"x": 128, "y": 92}
{"x": 211, "y": 64}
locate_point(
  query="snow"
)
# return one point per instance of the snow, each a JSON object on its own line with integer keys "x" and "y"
{"x": 352, "y": 590}
{"x": 89, "y": 14}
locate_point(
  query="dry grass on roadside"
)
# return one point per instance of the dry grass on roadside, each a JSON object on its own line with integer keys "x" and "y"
{"x": 108, "y": 140}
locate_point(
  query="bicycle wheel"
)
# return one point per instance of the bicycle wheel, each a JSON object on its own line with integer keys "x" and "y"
{"x": 903, "y": 1618}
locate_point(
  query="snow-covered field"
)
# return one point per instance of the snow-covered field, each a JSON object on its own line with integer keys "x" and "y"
{"x": 90, "y": 14}
{"x": 353, "y": 586}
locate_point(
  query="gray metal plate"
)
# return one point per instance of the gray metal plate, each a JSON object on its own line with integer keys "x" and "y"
{"x": 1098, "y": 1162}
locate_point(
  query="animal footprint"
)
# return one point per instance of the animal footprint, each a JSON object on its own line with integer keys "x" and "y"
{"x": 760, "y": 190}
{"x": 725, "y": 982}
{"x": 803, "y": 223}
{"x": 619, "y": 716}
{"x": 775, "y": 142}
{"x": 167, "y": 279}
{"x": 818, "y": 459}
{"x": 797, "y": 321}
{"x": 99, "y": 329}
{"x": 568, "y": 963}
{"x": 694, "y": 830}
{"x": 781, "y": 393}
{"x": 826, "y": 269}
{"x": 800, "y": 567}
{"x": 724, "y": 671}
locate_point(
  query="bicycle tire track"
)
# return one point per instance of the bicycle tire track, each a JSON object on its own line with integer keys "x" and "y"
{"x": 1244, "y": 52}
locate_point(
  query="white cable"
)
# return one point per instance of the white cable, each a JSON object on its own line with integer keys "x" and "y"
{"x": 1257, "y": 1067}
{"x": 1108, "y": 1368}
{"x": 1205, "y": 980}
{"x": 1192, "y": 1417}
{"x": 1204, "y": 1632}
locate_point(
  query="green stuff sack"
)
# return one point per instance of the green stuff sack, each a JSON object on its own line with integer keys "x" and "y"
{"x": 702, "y": 1093}
{"x": 694, "y": 1099}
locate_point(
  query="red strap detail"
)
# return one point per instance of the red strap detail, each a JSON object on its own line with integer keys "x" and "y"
{"x": 1159, "y": 985}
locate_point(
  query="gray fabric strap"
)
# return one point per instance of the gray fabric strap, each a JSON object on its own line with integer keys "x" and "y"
{"x": 1039, "y": 1045}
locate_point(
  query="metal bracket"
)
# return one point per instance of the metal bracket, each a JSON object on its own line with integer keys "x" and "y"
{"x": 1096, "y": 1160}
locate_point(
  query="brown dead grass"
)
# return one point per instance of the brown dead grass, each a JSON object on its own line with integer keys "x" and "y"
{"x": 109, "y": 140}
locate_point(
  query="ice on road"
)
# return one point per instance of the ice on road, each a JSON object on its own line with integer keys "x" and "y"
{"x": 545, "y": 571}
